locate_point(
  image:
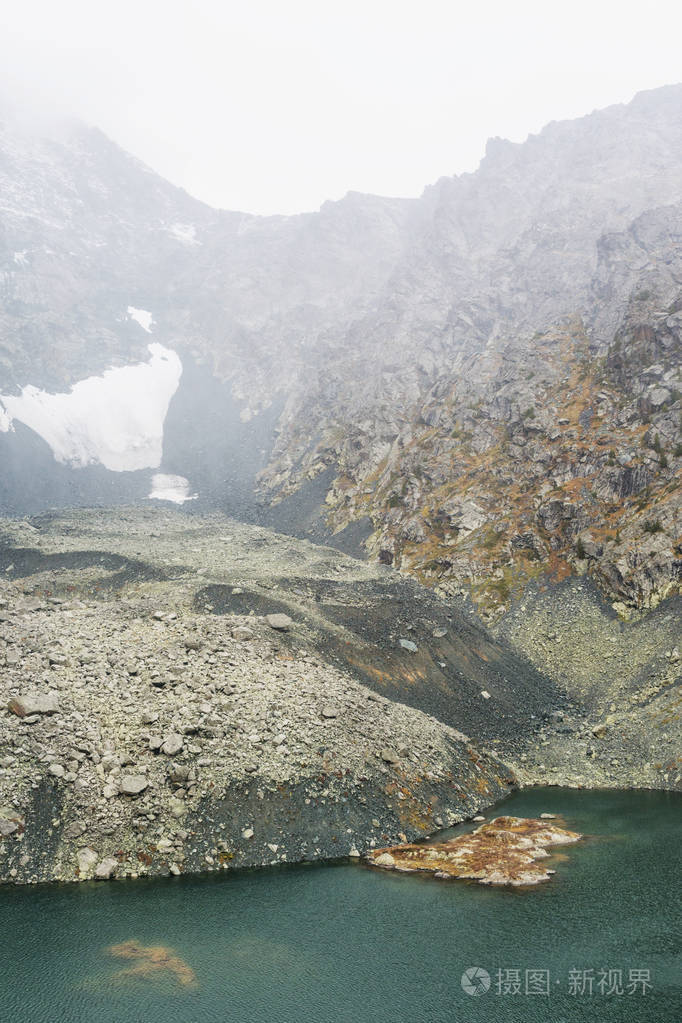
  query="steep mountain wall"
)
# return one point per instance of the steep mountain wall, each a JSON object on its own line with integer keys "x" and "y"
{"x": 484, "y": 382}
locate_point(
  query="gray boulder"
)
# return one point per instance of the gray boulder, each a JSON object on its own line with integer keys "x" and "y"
{"x": 407, "y": 644}
{"x": 105, "y": 868}
{"x": 8, "y": 827}
{"x": 280, "y": 622}
{"x": 34, "y": 703}
{"x": 132, "y": 784}
{"x": 172, "y": 744}
{"x": 389, "y": 756}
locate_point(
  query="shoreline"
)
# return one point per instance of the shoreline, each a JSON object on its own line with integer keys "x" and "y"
{"x": 489, "y": 812}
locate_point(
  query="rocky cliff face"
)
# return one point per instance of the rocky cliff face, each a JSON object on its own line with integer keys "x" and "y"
{"x": 485, "y": 381}
{"x": 518, "y": 409}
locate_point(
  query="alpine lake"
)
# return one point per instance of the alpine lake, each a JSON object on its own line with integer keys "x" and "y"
{"x": 343, "y": 943}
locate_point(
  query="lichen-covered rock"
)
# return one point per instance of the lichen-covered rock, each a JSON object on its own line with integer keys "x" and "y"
{"x": 503, "y": 851}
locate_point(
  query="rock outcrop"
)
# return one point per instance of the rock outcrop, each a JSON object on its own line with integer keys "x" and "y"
{"x": 504, "y": 851}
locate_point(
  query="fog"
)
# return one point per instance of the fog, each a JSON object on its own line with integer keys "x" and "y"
{"x": 271, "y": 107}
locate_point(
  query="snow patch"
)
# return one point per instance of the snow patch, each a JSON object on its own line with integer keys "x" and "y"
{"x": 141, "y": 316}
{"x": 20, "y": 258}
{"x": 186, "y": 233}
{"x": 115, "y": 419}
{"x": 171, "y": 488}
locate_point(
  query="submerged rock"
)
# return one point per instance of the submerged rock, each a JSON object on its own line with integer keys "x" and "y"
{"x": 502, "y": 852}
{"x": 152, "y": 959}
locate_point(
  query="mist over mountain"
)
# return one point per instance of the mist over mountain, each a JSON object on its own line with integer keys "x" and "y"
{"x": 432, "y": 380}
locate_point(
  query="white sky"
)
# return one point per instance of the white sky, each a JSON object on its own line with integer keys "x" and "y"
{"x": 276, "y": 105}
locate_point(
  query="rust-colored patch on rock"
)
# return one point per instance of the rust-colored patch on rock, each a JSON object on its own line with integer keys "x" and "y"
{"x": 504, "y": 851}
{"x": 152, "y": 959}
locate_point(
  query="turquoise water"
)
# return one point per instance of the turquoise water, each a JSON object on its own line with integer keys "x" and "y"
{"x": 343, "y": 944}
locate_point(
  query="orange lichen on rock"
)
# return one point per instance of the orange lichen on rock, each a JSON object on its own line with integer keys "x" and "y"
{"x": 503, "y": 851}
{"x": 152, "y": 959}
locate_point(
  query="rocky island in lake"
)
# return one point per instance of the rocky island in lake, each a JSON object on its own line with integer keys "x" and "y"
{"x": 503, "y": 851}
